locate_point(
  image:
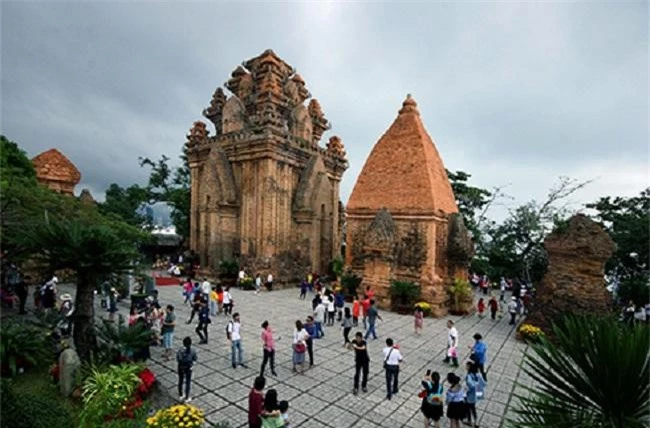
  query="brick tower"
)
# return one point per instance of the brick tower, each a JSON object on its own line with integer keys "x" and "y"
{"x": 264, "y": 191}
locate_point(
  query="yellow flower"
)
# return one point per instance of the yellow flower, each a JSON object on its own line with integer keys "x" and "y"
{"x": 176, "y": 419}
{"x": 181, "y": 424}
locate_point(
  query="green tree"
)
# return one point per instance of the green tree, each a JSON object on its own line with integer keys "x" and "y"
{"x": 125, "y": 202}
{"x": 171, "y": 185}
{"x": 626, "y": 220}
{"x": 595, "y": 374}
{"x": 472, "y": 201}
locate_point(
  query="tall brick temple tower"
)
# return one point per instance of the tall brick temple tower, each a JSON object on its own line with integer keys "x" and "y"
{"x": 264, "y": 191}
{"x": 402, "y": 218}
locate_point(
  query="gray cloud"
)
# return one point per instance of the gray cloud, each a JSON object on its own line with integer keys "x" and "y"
{"x": 511, "y": 92}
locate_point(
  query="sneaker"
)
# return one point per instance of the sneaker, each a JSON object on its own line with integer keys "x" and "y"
{"x": 274, "y": 374}
{"x": 234, "y": 366}
{"x": 188, "y": 400}
{"x": 364, "y": 389}
{"x": 182, "y": 397}
{"x": 243, "y": 365}
{"x": 355, "y": 391}
{"x": 388, "y": 397}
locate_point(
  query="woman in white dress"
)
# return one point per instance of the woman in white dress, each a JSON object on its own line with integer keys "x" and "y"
{"x": 300, "y": 337}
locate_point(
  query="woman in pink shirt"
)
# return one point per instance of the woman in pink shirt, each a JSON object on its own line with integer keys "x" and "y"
{"x": 268, "y": 348}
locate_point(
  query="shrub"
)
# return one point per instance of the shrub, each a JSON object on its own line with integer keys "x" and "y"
{"x": 108, "y": 392}
{"x": 38, "y": 406}
{"x": 181, "y": 415}
{"x": 461, "y": 295}
{"x": 119, "y": 339}
{"x": 530, "y": 333}
{"x": 350, "y": 283}
{"x": 229, "y": 268}
{"x": 247, "y": 283}
{"x": 404, "y": 293}
{"x": 337, "y": 266}
{"x": 594, "y": 374}
{"x": 21, "y": 346}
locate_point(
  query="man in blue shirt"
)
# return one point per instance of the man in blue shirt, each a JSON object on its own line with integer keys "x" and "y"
{"x": 479, "y": 354}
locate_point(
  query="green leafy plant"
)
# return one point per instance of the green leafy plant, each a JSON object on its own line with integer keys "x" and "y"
{"x": 247, "y": 283}
{"x": 21, "y": 346}
{"x": 107, "y": 391}
{"x": 229, "y": 268}
{"x": 337, "y": 266}
{"x": 461, "y": 295}
{"x": 595, "y": 373}
{"x": 119, "y": 339}
{"x": 404, "y": 293}
{"x": 350, "y": 283}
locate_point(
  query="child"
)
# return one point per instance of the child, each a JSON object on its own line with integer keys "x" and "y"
{"x": 213, "y": 301}
{"x": 227, "y": 301}
{"x": 356, "y": 311}
{"x": 185, "y": 357}
{"x": 419, "y": 319}
{"x": 347, "y": 326}
{"x": 339, "y": 302}
{"x": 455, "y": 401}
{"x": 481, "y": 307}
{"x": 284, "y": 408}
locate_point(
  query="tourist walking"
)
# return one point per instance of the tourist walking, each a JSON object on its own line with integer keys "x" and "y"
{"x": 214, "y": 299}
{"x": 479, "y": 354}
{"x": 204, "y": 320}
{"x": 256, "y": 402}
{"x": 480, "y": 307}
{"x": 311, "y": 331}
{"x": 206, "y": 287}
{"x": 258, "y": 283}
{"x": 319, "y": 315}
{"x": 185, "y": 357}
{"x": 373, "y": 314}
{"x": 331, "y": 310}
{"x": 512, "y": 310}
{"x": 241, "y": 276}
{"x": 502, "y": 289}
{"x": 303, "y": 289}
{"x": 268, "y": 348}
{"x": 433, "y": 400}
{"x": 418, "y": 320}
{"x": 112, "y": 304}
{"x": 365, "y": 306}
{"x": 392, "y": 359}
{"x": 188, "y": 287}
{"x": 356, "y": 311}
{"x": 269, "y": 282}
{"x": 452, "y": 344}
{"x": 494, "y": 307}
{"x": 361, "y": 363}
{"x": 347, "y": 326}
{"x": 475, "y": 388}
{"x": 455, "y": 401}
{"x": 300, "y": 336}
{"x": 233, "y": 331}
{"x": 485, "y": 284}
{"x": 339, "y": 303}
{"x": 167, "y": 330}
{"x": 227, "y": 302}
{"x": 197, "y": 299}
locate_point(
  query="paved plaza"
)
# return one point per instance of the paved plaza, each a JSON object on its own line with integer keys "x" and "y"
{"x": 322, "y": 396}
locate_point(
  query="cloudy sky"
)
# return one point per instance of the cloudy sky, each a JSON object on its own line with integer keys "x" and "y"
{"x": 514, "y": 93}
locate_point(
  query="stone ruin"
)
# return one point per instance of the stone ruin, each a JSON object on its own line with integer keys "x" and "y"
{"x": 402, "y": 219}
{"x": 574, "y": 282}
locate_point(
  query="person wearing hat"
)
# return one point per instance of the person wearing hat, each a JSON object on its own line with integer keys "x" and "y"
{"x": 512, "y": 310}
{"x": 66, "y": 304}
{"x": 479, "y": 354}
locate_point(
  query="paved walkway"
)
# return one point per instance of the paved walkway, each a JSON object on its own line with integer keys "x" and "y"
{"x": 322, "y": 396}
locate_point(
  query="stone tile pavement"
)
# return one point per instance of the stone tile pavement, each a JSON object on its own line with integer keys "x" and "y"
{"x": 322, "y": 396}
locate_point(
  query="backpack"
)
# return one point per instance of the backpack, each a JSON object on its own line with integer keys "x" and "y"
{"x": 228, "y": 325}
{"x": 186, "y": 358}
{"x": 436, "y": 398}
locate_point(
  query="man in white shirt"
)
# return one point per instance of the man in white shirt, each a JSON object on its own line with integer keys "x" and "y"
{"x": 206, "y": 287}
{"x": 227, "y": 301}
{"x": 319, "y": 315}
{"x": 269, "y": 282}
{"x": 452, "y": 342}
{"x": 392, "y": 359}
{"x": 233, "y": 331}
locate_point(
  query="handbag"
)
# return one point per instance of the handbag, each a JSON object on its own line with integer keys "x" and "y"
{"x": 387, "y": 357}
{"x": 300, "y": 348}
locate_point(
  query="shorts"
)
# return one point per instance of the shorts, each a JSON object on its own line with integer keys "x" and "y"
{"x": 168, "y": 340}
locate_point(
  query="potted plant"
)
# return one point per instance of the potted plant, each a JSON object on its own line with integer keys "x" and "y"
{"x": 462, "y": 297}
{"x": 337, "y": 268}
{"x": 350, "y": 283}
{"x": 403, "y": 295}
